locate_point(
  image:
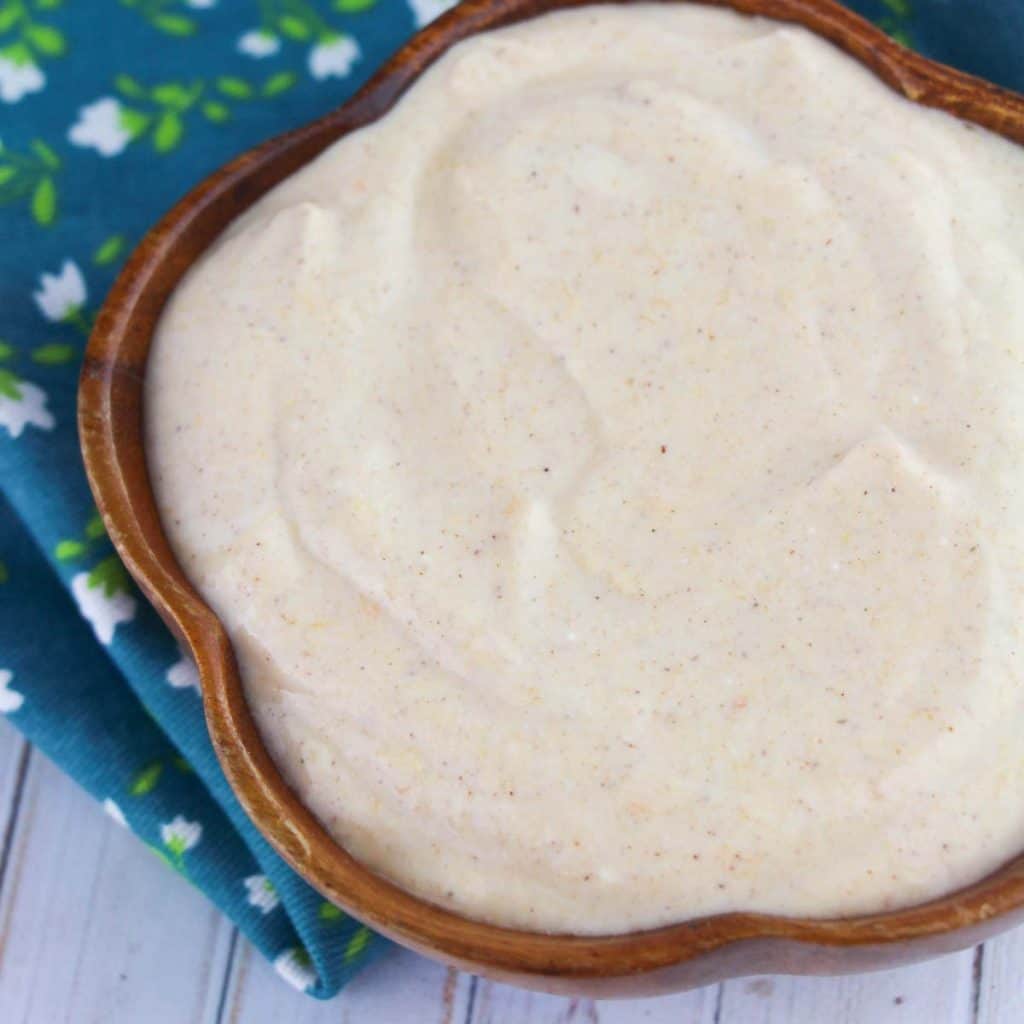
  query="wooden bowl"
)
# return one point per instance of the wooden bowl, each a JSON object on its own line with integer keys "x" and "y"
{"x": 110, "y": 424}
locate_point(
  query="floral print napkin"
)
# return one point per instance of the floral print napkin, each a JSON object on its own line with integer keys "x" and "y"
{"x": 109, "y": 111}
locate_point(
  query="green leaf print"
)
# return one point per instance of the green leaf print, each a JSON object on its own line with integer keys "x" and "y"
{"x": 168, "y": 132}
{"x": 329, "y": 913}
{"x": 19, "y": 54}
{"x": 164, "y": 858}
{"x": 6, "y": 351}
{"x": 30, "y": 178}
{"x": 127, "y": 86}
{"x": 75, "y": 547}
{"x": 54, "y": 354}
{"x": 4, "y": 574}
{"x": 279, "y": 83}
{"x": 32, "y": 39}
{"x": 294, "y": 28}
{"x": 896, "y": 24}
{"x": 177, "y": 847}
{"x": 46, "y": 155}
{"x": 172, "y": 95}
{"x": 172, "y": 99}
{"x": 109, "y": 251}
{"x": 163, "y": 111}
{"x": 145, "y": 782}
{"x": 9, "y": 385}
{"x": 236, "y": 88}
{"x": 44, "y": 202}
{"x": 300, "y": 21}
{"x": 900, "y": 35}
{"x": 67, "y": 550}
{"x": 46, "y": 40}
{"x": 174, "y": 24}
{"x": 215, "y": 112}
{"x": 357, "y": 944}
{"x": 165, "y": 16}
{"x": 109, "y": 576}
{"x": 134, "y": 122}
{"x": 179, "y": 836}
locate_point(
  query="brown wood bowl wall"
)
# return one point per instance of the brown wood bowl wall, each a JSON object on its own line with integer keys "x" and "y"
{"x": 110, "y": 424}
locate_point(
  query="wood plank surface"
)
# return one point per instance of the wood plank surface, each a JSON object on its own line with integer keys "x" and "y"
{"x": 936, "y": 992}
{"x": 14, "y": 755}
{"x": 93, "y": 928}
{"x": 400, "y": 987}
{"x": 502, "y": 1004}
{"x": 1001, "y": 980}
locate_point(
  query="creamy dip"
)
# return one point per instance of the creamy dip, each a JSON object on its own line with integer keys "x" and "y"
{"x": 608, "y": 468}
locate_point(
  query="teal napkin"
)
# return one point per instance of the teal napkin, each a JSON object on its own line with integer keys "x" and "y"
{"x": 109, "y": 111}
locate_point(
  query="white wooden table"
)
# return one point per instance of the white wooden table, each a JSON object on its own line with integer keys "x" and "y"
{"x": 94, "y": 930}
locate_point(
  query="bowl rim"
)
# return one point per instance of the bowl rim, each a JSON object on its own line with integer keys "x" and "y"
{"x": 111, "y": 433}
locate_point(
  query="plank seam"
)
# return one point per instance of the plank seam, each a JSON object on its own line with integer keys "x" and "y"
{"x": 716, "y": 1017}
{"x": 225, "y": 984}
{"x": 977, "y": 971}
{"x": 7, "y": 840}
{"x": 471, "y": 999}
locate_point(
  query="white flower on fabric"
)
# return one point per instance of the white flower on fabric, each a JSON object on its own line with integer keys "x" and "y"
{"x": 114, "y": 812}
{"x": 261, "y": 893}
{"x": 333, "y": 57}
{"x": 102, "y": 611}
{"x": 180, "y": 835}
{"x": 10, "y": 700}
{"x": 100, "y": 126}
{"x": 28, "y": 409}
{"x": 18, "y": 80}
{"x": 258, "y": 43}
{"x": 61, "y": 295}
{"x": 425, "y": 11}
{"x": 183, "y": 673}
{"x": 294, "y": 965}
{"x": 201, "y": 5}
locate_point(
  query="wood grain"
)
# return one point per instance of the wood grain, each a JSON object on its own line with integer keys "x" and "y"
{"x": 1001, "y": 980}
{"x": 503, "y": 1004}
{"x": 93, "y": 927}
{"x": 13, "y": 766}
{"x": 939, "y": 991}
{"x": 686, "y": 955}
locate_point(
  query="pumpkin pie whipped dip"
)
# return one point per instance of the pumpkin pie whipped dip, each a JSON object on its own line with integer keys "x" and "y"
{"x": 609, "y": 468}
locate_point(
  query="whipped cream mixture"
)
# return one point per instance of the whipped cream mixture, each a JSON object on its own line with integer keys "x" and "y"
{"x": 609, "y": 467}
